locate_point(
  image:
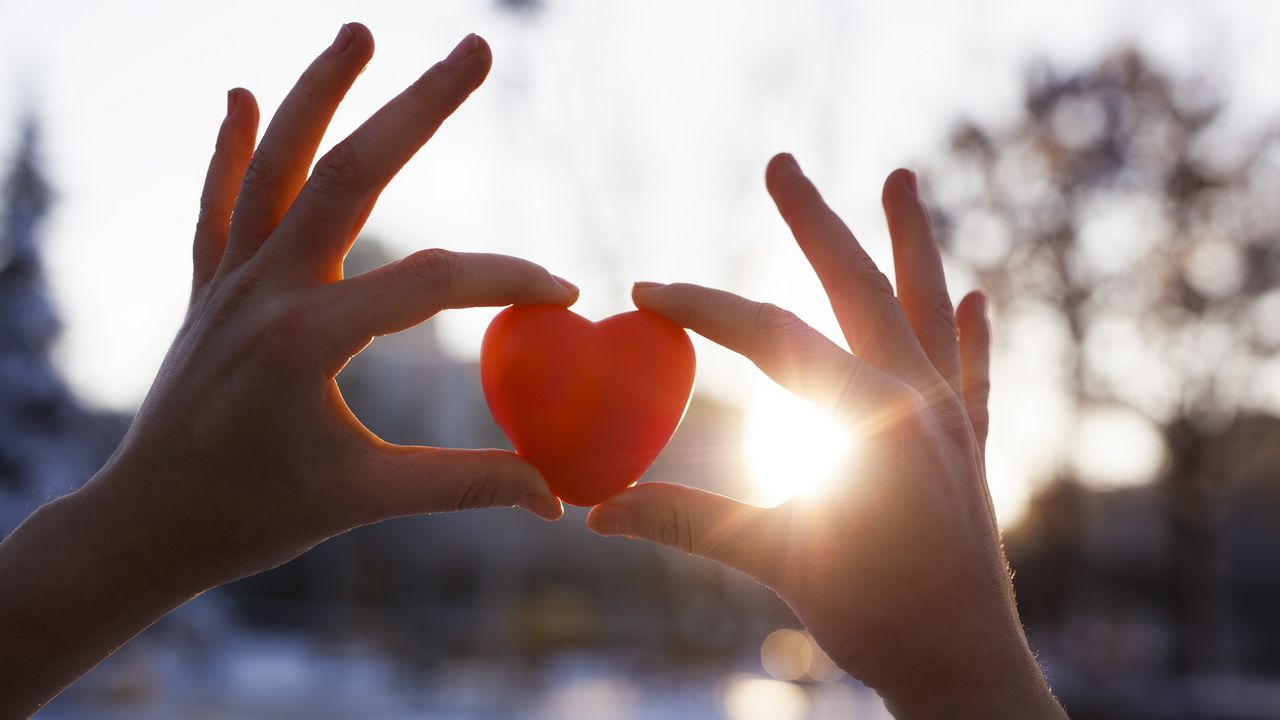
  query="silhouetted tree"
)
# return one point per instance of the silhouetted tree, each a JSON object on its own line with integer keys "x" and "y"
{"x": 49, "y": 444}
{"x": 1120, "y": 211}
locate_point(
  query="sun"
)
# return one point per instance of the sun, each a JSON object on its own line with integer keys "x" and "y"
{"x": 790, "y": 446}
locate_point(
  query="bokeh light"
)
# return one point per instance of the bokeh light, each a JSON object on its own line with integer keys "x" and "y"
{"x": 751, "y": 697}
{"x": 794, "y": 655}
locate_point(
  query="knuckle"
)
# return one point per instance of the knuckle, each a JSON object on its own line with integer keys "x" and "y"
{"x": 867, "y": 275}
{"x": 940, "y": 311}
{"x": 288, "y": 320}
{"x": 339, "y": 169}
{"x": 477, "y": 492}
{"x": 434, "y": 266}
{"x": 261, "y": 170}
{"x": 428, "y": 88}
{"x": 913, "y": 407}
{"x": 772, "y": 320}
{"x": 675, "y": 529}
{"x": 209, "y": 211}
{"x": 307, "y": 80}
{"x": 285, "y": 329}
{"x": 875, "y": 281}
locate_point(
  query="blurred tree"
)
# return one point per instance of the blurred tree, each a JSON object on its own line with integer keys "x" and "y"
{"x": 1120, "y": 215}
{"x": 49, "y": 444}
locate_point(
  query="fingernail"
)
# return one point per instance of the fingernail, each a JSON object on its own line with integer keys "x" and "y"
{"x": 980, "y": 299}
{"x": 463, "y": 49}
{"x": 789, "y": 162}
{"x": 646, "y": 286}
{"x": 541, "y": 506}
{"x": 911, "y": 185}
{"x": 612, "y": 520}
{"x": 343, "y": 40}
{"x": 567, "y": 285}
{"x": 231, "y": 101}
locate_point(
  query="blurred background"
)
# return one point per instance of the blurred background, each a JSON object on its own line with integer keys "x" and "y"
{"x": 1109, "y": 172}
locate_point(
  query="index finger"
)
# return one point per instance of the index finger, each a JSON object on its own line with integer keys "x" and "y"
{"x": 788, "y": 350}
{"x": 403, "y": 293}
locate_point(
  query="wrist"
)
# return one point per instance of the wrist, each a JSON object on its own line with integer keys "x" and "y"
{"x": 991, "y": 685}
{"x": 137, "y": 540}
{"x": 81, "y": 579}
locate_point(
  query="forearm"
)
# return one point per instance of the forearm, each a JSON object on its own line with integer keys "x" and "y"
{"x": 78, "y": 579}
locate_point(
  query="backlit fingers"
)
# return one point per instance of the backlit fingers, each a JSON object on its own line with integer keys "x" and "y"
{"x": 861, "y": 296}
{"x": 922, "y": 287}
{"x": 346, "y": 182}
{"x": 281, "y": 161}
{"x": 401, "y": 294}
{"x": 222, "y": 183}
{"x": 787, "y": 349}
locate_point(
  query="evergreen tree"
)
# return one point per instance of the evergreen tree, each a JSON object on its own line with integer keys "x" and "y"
{"x": 49, "y": 444}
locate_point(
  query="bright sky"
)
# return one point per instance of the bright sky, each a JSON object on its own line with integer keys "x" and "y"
{"x": 614, "y": 141}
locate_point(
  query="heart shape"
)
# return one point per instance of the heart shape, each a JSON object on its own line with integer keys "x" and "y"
{"x": 590, "y": 404}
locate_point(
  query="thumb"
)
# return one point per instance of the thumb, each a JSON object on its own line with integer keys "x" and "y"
{"x": 417, "y": 480}
{"x": 695, "y": 521}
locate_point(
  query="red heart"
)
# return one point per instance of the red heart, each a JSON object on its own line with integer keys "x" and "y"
{"x": 590, "y": 404}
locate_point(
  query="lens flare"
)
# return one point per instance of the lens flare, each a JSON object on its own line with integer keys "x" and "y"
{"x": 790, "y": 446}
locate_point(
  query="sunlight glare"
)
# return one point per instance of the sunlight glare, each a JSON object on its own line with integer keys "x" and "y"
{"x": 790, "y": 446}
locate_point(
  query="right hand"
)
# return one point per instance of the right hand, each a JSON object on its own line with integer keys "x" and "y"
{"x": 897, "y": 571}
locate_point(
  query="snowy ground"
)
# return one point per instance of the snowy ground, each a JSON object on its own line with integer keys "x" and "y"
{"x": 288, "y": 676}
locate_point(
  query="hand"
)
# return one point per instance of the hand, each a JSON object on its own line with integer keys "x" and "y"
{"x": 897, "y": 571}
{"x": 244, "y": 454}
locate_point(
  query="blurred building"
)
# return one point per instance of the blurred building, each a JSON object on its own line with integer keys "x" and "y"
{"x": 1096, "y": 582}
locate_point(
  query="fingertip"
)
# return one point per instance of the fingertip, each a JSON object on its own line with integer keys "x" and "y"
{"x": 546, "y": 506}
{"x": 360, "y": 32}
{"x": 972, "y": 308}
{"x": 900, "y": 183}
{"x": 560, "y": 292}
{"x": 610, "y": 520}
{"x": 979, "y": 302}
{"x": 783, "y": 162}
{"x": 246, "y": 105}
{"x": 354, "y": 41}
{"x": 568, "y": 291}
{"x": 362, "y": 44}
{"x": 483, "y": 57}
{"x": 642, "y": 291}
{"x": 470, "y": 52}
{"x": 781, "y": 167}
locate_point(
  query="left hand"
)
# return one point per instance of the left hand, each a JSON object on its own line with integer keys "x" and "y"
{"x": 244, "y": 451}
{"x": 244, "y": 454}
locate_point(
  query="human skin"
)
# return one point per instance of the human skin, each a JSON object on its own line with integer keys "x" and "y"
{"x": 896, "y": 569}
{"x": 244, "y": 454}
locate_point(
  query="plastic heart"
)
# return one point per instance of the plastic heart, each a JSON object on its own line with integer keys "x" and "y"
{"x": 590, "y": 404}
